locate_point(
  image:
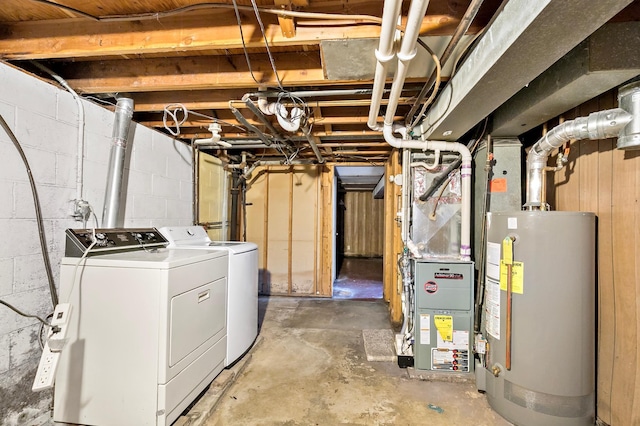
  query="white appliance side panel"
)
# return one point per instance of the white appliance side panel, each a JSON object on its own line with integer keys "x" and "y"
{"x": 242, "y": 308}
{"x": 176, "y": 395}
{"x": 195, "y": 317}
{"x": 108, "y": 370}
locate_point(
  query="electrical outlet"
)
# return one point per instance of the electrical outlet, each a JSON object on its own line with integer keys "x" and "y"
{"x": 57, "y": 338}
{"x": 46, "y": 373}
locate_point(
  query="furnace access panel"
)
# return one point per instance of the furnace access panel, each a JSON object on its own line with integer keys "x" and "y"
{"x": 444, "y": 316}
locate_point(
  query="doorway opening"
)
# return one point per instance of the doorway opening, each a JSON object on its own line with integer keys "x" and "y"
{"x": 359, "y": 225}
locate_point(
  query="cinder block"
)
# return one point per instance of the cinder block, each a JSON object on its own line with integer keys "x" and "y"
{"x": 186, "y": 190}
{"x": 46, "y": 133}
{"x": 43, "y": 165}
{"x": 164, "y": 187}
{"x": 13, "y": 168}
{"x": 6, "y": 272}
{"x": 146, "y": 207}
{"x": 29, "y": 273}
{"x": 66, "y": 167}
{"x": 95, "y": 177}
{"x": 177, "y": 210}
{"x": 67, "y": 108}
{"x": 97, "y": 147}
{"x": 20, "y": 89}
{"x": 98, "y": 120}
{"x": 23, "y": 345}
{"x": 4, "y": 353}
{"x": 140, "y": 183}
{"x": 8, "y": 112}
{"x": 23, "y": 234}
{"x": 36, "y": 302}
{"x": 6, "y": 199}
{"x": 55, "y": 202}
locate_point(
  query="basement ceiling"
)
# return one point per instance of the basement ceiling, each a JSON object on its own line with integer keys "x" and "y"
{"x": 187, "y": 64}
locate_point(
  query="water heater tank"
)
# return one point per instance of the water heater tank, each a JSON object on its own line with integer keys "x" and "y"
{"x": 551, "y": 380}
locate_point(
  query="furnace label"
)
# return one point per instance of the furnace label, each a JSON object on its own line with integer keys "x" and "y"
{"x": 448, "y": 275}
{"x": 431, "y": 287}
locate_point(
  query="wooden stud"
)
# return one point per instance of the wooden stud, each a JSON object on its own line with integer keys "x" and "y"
{"x": 265, "y": 256}
{"x": 287, "y": 23}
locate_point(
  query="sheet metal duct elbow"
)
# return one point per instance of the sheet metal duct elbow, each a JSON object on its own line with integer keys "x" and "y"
{"x": 597, "y": 125}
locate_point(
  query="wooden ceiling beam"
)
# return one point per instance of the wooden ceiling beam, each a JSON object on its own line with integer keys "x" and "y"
{"x": 189, "y": 32}
{"x": 192, "y": 73}
{"x": 219, "y": 99}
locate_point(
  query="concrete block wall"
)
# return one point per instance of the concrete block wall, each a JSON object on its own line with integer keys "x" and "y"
{"x": 45, "y": 121}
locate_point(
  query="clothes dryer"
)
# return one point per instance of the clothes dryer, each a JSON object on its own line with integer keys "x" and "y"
{"x": 242, "y": 276}
{"x": 147, "y": 332}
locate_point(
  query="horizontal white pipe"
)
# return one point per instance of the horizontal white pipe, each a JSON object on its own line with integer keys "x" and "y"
{"x": 465, "y": 174}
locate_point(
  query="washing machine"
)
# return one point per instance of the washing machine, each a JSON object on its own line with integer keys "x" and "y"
{"x": 147, "y": 331}
{"x": 242, "y": 276}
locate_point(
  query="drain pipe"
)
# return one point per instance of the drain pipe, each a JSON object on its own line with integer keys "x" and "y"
{"x": 384, "y": 54}
{"x": 407, "y": 52}
{"x": 598, "y": 125}
{"x": 121, "y": 123}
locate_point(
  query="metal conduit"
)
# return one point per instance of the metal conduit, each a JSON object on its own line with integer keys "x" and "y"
{"x": 460, "y": 31}
{"x": 120, "y": 135}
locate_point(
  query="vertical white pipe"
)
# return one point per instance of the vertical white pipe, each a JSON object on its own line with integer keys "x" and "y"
{"x": 384, "y": 54}
{"x": 121, "y": 123}
{"x": 406, "y": 54}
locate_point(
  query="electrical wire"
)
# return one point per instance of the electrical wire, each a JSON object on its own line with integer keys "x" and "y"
{"x": 36, "y": 202}
{"x": 244, "y": 46}
{"x": 266, "y": 43}
{"x": 359, "y": 19}
{"x": 19, "y": 312}
{"x": 172, "y": 111}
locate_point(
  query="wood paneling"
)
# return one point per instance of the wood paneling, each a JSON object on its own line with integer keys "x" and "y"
{"x": 363, "y": 224}
{"x": 606, "y": 181}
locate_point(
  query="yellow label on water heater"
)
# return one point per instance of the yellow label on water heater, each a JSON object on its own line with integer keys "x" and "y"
{"x": 517, "y": 277}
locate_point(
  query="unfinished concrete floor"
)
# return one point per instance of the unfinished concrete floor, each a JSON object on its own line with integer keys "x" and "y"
{"x": 310, "y": 368}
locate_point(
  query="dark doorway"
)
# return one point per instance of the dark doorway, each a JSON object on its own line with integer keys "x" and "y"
{"x": 359, "y": 278}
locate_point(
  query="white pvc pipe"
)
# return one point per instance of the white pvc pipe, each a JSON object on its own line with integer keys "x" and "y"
{"x": 289, "y": 122}
{"x": 465, "y": 174}
{"x": 406, "y": 54}
{"x": 384, "y": 54}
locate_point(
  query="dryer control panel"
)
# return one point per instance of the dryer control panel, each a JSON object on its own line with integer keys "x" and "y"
{"x": 111, "y": 240}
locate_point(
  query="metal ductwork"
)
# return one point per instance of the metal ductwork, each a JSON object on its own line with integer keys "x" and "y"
{"x": 119, "y": 139}
{"x": 623, "y": 123}
{"x": 525, "y": 38}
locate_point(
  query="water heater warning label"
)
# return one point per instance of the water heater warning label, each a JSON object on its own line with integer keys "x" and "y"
{"x": 492, "y": 308}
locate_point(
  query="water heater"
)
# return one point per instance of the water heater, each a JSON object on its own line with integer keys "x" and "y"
{"x": 540, "y": 317}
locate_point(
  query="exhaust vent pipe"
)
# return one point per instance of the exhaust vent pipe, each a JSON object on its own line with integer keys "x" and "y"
{"x": 121, "y": 123}
{"x": 629, "y": 100}
{"x": 623, "y": 122}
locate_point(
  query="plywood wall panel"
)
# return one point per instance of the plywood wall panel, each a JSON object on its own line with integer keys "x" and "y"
{"x": 213, "y": 205}
{"x": 284, "y": 218}
{"x": 363, "y": 225}
{"x": 606, "y": 181}
{"x": 305, "y": 183}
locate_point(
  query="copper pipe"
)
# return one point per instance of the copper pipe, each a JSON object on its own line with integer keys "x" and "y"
{"x": 508, "y": 342}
